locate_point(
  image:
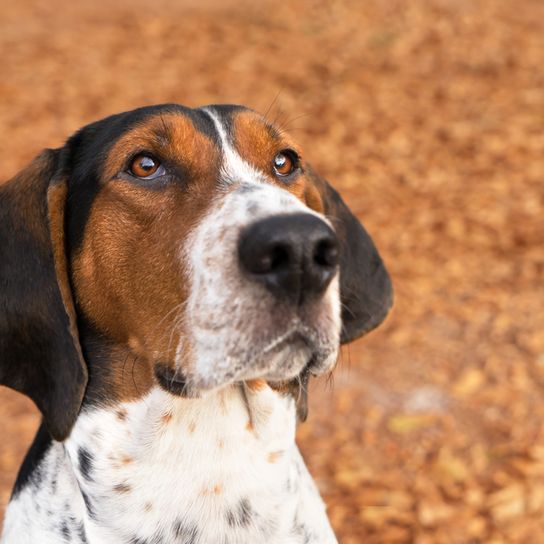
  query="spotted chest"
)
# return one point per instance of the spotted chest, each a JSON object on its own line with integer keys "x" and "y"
{"x": 220, "y": 469}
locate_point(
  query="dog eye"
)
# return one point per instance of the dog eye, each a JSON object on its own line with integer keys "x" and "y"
{"x": 285, "y": 162}
{"x": 145, "y": 166}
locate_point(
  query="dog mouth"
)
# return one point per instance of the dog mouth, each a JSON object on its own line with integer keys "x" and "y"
{"x": 172, "y": 380}
{"x": 281, "y": 360}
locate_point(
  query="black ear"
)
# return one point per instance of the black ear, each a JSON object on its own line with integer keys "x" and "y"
{"x": 365, "y": 287}
{"x": 40, "y": 354}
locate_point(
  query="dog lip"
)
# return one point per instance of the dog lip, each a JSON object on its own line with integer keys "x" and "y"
{"x": 171, "y": 380}
{"x": 293, "y": 337}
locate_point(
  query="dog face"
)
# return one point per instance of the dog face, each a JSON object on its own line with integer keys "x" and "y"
{"x": 198, "y": 241}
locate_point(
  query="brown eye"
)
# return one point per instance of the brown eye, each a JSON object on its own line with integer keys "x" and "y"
{"x": 146, "y": 167}
{"x": 285, "y": 162}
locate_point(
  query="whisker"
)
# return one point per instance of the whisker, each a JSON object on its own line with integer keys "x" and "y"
{"x": 272, "y": 104}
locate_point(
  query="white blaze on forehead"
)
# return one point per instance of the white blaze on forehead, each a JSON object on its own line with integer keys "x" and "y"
{"x": 234, "y": 168}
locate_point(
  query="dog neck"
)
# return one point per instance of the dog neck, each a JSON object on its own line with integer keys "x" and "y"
{"x": 221, "y": 468}
{"x": 174, "y": 460}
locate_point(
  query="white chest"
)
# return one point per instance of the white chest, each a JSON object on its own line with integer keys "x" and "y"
{"x": 221, "y": 469}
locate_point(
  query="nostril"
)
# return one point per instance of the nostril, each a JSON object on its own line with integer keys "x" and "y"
{"x": 273, "y": 258}
{"x": 279, "y": 257}
{"x": 326, "y": 253}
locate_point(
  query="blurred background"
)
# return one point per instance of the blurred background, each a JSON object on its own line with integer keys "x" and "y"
{"x": 428, "y": 116}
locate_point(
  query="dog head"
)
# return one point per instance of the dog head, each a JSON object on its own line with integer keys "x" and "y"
{"x": 199, "y": 242}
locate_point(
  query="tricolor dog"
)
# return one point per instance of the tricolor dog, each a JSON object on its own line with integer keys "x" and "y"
{"x": 169, "y": 281}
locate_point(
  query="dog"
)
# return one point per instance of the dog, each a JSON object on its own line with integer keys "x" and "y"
{"x": 170, "y": 280}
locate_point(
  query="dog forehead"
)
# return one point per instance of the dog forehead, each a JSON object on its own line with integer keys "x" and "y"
{"x": 193, "y": 138}
{"x": 250, "y": 135}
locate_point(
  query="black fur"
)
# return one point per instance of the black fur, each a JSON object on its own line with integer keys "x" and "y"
{"x": 241, "y": 515}
{"x": 86, "y": 461}
{"x": 88, "y": 505}
{"x": 39, "y": 355}
{"x": 185, "y": 534}
{"x": 29, "y": 468}
{"x": 365, "y": 286}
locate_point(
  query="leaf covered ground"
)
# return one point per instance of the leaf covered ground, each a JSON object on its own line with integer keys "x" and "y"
{"x": 429, "y": 117}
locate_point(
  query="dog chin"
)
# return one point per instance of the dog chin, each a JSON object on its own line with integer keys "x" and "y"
{"x": 281, "y": 360}
{"x": 283, "y": 363}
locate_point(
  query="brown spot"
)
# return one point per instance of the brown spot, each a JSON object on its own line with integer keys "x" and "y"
{"x": 148, "y": 507}
{"x": 221, "y": 443}
{"x": 122, "y": 488}
{"x": 192, "y": 427}
{"x": 215, "y": 490}
{"x": 273, "y": 456}
{"x": 126, "y": 460}
{"x": 121, "y": 414}
{"x": 249, "y": 425}
{"x": 256, "y": 385}
{"x": 166, "y": 417}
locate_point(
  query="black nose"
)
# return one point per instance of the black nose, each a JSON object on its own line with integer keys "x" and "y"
{"x": 294, "y": 256}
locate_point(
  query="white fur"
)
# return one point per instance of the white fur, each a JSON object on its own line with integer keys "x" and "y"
{"x": 194, "y": 467}
{"x": 234, "y": 168}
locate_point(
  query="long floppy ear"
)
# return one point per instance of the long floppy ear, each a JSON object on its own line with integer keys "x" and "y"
{"x": 40, "y": 354}
{"x": 365, "y": 287}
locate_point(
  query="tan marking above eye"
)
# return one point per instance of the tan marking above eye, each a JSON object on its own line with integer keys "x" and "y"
{"x": 285, "y": 162}
{"x": 144, "y": 165}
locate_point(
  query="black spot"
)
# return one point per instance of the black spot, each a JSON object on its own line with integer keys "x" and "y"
{"x": 65, "y": 531}
{"x": 246, "y": 189}
{"x": 268, "y": 526}
{"x": 185, "y": 533}
{"x": 80, "y": 531}
{"x": 88, "y": 505}
{"x": 241, "y": 516}
{"x": 253, "y": 208}
{"x": 138, "y": 540}
{"x": 85, "y": 463}
{"x": 299, "y": 529}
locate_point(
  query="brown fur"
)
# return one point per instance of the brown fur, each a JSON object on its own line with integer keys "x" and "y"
{"x": 259, "y": 142}
{"x": 128, "y": 275}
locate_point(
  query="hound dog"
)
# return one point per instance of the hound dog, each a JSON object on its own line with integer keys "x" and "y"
{"x": 170, "y": 279}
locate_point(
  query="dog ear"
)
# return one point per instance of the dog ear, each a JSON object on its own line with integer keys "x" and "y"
{"x": 40, "y": 354}
{"x": 365, "y": 287}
